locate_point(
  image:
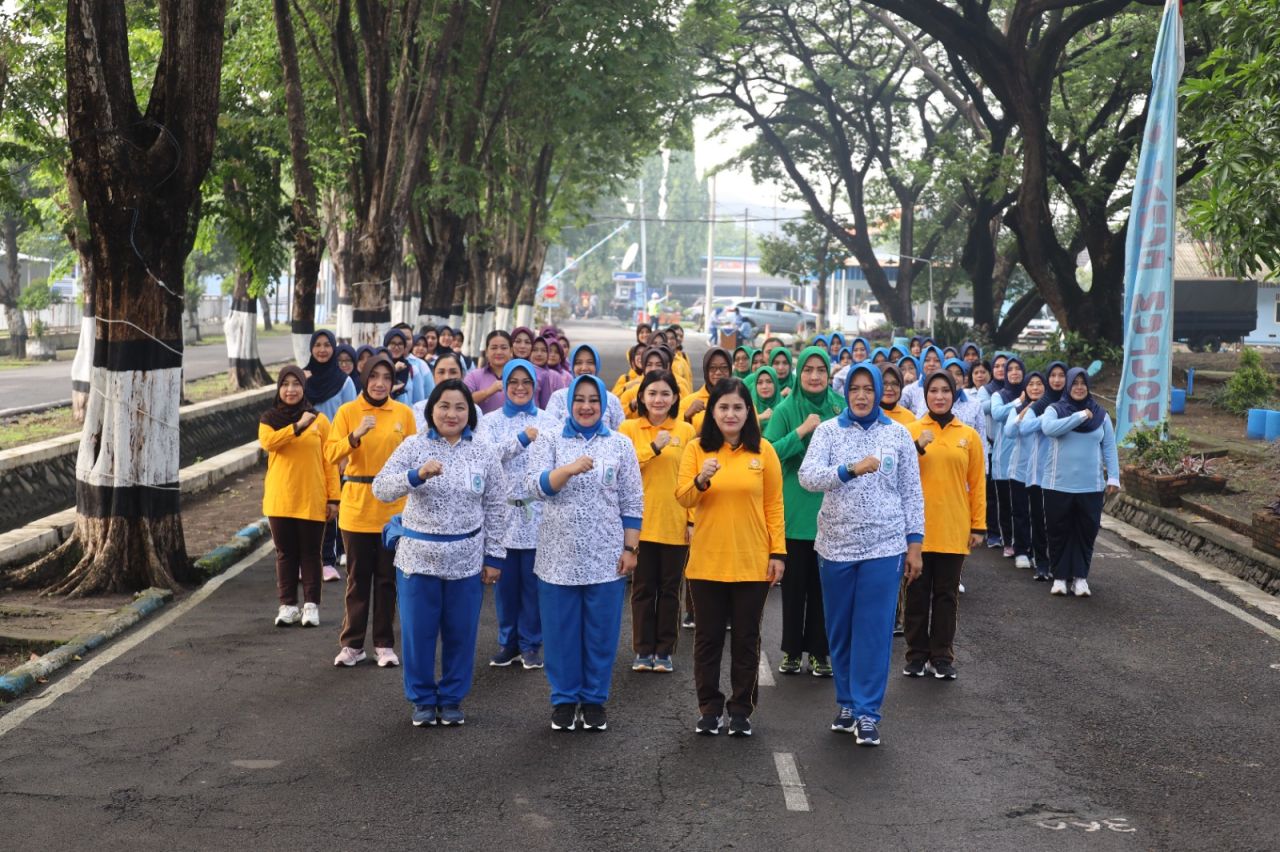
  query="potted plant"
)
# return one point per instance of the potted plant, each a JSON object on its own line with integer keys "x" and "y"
{"x": 1161, "y": 468}
{"x": 1265, "y": 529}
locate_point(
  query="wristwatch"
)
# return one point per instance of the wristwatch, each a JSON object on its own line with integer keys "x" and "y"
{"x": 852, "y": 468}
{"x": 631, "y": 550}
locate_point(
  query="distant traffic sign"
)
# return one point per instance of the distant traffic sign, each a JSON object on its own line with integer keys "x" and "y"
{"x": 550, "y": 291}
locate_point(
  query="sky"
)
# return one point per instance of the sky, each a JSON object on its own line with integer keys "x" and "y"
{"x": 736, "y": 191}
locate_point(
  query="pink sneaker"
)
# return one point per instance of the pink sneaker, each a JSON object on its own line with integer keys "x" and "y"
{"x": 386, "y": 657}
{"x": 349, "y": 657}
{"x": 330, "y": 574}
{"x": 1008, "y": 553}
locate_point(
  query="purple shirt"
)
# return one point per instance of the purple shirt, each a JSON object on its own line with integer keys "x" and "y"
{"x": 483, "y": 378}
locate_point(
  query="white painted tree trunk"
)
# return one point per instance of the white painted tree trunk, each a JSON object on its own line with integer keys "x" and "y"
{"x": 367, "y": 332}
{"x": 503, "y": 319}
{"x": 82, "y": 367}
{"x": 403, "y": 310}
{"x": 471, "y": 328}
{"x": 301, "y": 348}
{"x": 241, "y": 328}
{"x": 455, "y": 321}
{"x": 131, "y": 430}
{"x": 524, "y": 315}
{"x": 345, "y": 319}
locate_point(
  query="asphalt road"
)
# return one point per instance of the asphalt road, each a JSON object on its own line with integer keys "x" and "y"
{"x": 24, "y": 386}
{"x": 1142, "y": 718}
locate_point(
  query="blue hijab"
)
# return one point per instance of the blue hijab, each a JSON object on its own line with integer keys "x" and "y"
{"x": 920, "y": 362}
{"x": 571, "y": 426}
{"x": 876, "y": 415}
{"x": 1067, "y": 406}
{"x": 509, "y": 408}
{"x": 964, "y": 368}
{"x": 879, "y": 350}
{"x": 966, "y": 346}
{"x": 866, "y": 347}
{"x": 573, "y": 356}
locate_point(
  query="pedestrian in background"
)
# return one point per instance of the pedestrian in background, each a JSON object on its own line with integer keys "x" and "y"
{"x": 660, "y": 440}
{"x": 589, "y": 481}
{"x": 510, "y": 431}
{"x": 871, "y": 521}
{"x": 448, "y": 548}
{"x": 952, "y": 478}
{"x": 365, "y": 433}
{"x": 300, "y": 495}
{"x": 732, "y": 480}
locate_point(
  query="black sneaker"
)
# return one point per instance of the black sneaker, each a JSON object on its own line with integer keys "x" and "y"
{"x": 899, "y": 630}
{"x": 914, "y": 668}
{"x": 943, "y": 670}
{"x": 564, "y": 717}
{"x": 790, "y": 664}
{"x": 708, "y": 725}
{"x": 739, "y": 726}
{"x": 593, "y": 717}
{"x": 844, "y": 721}
{"x": 687, "y": 621}
{"x": 867, "y": 733}
{"x": 820, "y": 666}
{"x": 1041, "y": 576}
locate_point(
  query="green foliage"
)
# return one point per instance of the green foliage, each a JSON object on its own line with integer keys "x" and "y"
{"x": 1252, "y": 385}
{"x": 1078, "y": 350}
{"x": 38, "y": 296}
{"x": 951, "y": 332}
{"x": 1156, "y": 448}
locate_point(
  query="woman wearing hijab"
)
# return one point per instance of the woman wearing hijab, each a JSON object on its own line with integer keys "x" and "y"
{"x": 448, "y": 549}
{"x": 970, "y": 353}
{"x": 860, "y": 349}
{"x": 732, "y": 480}
{"x": 406, "y": 387}
{"x": 834, "y": 345}
{"x": 742, "y": 362}
{"x": 915, "y": 346}
{"x": 300, "y": 495}
{"x": 952, "y": 473}
{"x": 789, "y": 431}
{"x": 870, "y": 523}
{"x": 879, "y": 356}
{"x": 363, "y": 354}
{"x": 589, "y": 481}
{"x": 557, "y": 360}
{"x": 366, "y": 431}
{"x": 635, "y": 370}
{"x": 345, "y": 357}
{"x": 1020, "y": 463}
{"x": 764, "y": 393}
{"x": 891, "y": 393}
{"x": 1036, "y": 453}
{"x": 1081, "y": 469}
{"x": 984, "y": 395}
{"x": 716, "y": 365}
{"x": 485, "y": 383}
{"x": 896, "y": 353}
{"x": 784, "y": 367}
{"x": 909, "y": 366}
{"x": 548, "y": 379}
{"x": 522, "y": 342}
{"x": 585, "y": 361}
{"x": 965, "y": 404}
{"x": 913, "y": 394}
{"x": 328, "y": 387}
{"x": 1003, "y": 404}
{"x": 660, "y": 440}
{"x": 510, "y": 431}
{"x": 857, "y": 353}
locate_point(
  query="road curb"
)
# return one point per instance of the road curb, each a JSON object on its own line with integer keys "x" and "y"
{"x": 19, "y": 680}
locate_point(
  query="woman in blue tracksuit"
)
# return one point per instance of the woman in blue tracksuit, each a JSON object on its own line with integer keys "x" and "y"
{"x": 1003, "y": 404}
{"x": 448, "y": 549}
{"x": 1019, "y": 468}
{"x": 1036, "y": 445}
{"x": 995, "y": 536}
{"x": 872, "y": 516}
{"x": 328, "y": 388}
{"x": 586, "y": 360}
{"x": 589, "y": 481}
{"x": 1081, "y": 469}
{"x": 510, "y": 431}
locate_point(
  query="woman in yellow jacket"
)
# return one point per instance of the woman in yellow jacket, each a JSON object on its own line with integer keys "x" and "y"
{"x": 300, "y": 495}
{"x": 660, "y": 441}
{"x": 953, "y": 478}
{"x": 366, "y": 431}
{"x": 732, "y": 479}
{"x": 656, "y": 359}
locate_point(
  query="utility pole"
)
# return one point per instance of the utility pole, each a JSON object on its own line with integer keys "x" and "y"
{"x": 746, "y": 236}
{"x": 709, "y": 292}
{"x": 644, "y": 255}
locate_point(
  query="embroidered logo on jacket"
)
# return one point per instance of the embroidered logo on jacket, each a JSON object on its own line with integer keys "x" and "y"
{"x": 754, "y": 464}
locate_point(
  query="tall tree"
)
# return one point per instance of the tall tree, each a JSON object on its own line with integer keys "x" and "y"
{"x": 139, "y": 167}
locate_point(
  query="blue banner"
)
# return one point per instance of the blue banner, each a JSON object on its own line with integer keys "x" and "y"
{"x": 1148, "y": 266}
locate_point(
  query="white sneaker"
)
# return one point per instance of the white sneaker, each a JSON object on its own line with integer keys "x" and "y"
{"x": 329, "y": 574}
{"x": 342, "y": 560}
{"x": 1059, "y": 587}
{"x": 1080, "y": 587}
{"x": 386, "y": 657}
{"x": 310, "y": 615}
{"x": 349, "y": 657}
{"x": 962, "y": 588}
{"x": 288, "y": 615}
{"x": 1022, "y": 562}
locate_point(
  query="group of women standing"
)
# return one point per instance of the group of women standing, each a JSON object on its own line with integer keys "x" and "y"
{"x": 527, "y": 473}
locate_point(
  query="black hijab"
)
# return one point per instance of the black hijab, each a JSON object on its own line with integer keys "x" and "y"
{"x": 326, "y": 378}
{"x": 1067, "y": 406}
{"x": 1009, "y": 392}
{"x": 1050, "y": 395}
{"x": 280, "y": 415}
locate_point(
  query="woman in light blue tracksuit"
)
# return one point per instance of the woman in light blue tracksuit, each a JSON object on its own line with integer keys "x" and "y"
{"x": 1036, "y": 449}
{"x": 872, "y": 516}
{"x": 1019, "y": 468}
{"x": 1003, "y": 404}
{"x": 1081, "y": 469}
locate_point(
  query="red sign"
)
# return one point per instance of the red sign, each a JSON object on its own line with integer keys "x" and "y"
{"x": 550, "y": 291}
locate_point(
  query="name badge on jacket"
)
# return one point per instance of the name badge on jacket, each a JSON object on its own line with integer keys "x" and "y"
{"x": 609, "y": 475}
{"x": 888, "y": 462}
{"x": 477, "y": 483}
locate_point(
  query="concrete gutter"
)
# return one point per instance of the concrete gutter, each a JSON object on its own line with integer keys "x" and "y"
{"x": 19, "y": 680}
{"x": 39, "y": 537}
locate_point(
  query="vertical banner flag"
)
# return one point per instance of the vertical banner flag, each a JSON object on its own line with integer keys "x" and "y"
{"x": 1148, "y": 258}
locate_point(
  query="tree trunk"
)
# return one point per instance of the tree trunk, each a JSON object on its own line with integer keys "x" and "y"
{"x": 77, "y": 236}
{"x": 141, "y": 184}
{"x": 12, "y": 289}
{"x": 344, "y": 269}
{"x": 241, "y": 327}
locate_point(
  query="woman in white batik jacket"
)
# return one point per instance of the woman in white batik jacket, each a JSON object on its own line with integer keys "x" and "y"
{"x": 448, "y": 547}
{"x": 589, "y": 480}
{"x": 872, "y": 515}
{"x": 511, "y": 430}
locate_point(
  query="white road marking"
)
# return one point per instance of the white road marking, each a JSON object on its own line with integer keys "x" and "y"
{"x": 789, "y": 776}
{"x": 1230, "y": 609}
{"x": 256, "y": 764}
{"x": 764, "y": 675}
{"x": 82, "y": 673}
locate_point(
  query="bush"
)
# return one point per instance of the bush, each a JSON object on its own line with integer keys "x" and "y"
{"x": 1251, "y": 386}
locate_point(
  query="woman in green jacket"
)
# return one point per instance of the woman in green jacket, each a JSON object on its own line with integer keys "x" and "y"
{"x": 812, "y": 401}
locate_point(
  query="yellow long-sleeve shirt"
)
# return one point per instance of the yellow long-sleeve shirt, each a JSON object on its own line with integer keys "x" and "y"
{"x": 738, "y": 520}
{"x": 900, "y": 414}
{"x": 665, "y": 520}
{"x": 360, "y": 511}
{"x": 952, "y": 476}
{"x": 299, "y": 481}
{"x": 628, "y": 376}
{"x": 704, "y": 396}
{"x": 683, "y": 370}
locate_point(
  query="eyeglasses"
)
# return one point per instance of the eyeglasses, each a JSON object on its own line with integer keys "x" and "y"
{"x": 715, "y": 368}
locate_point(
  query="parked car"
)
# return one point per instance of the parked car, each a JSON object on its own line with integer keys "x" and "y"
{"x": 781, "y": 315}
{"x": 1039, "y": 331}
{"x": 694, "y": 313}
